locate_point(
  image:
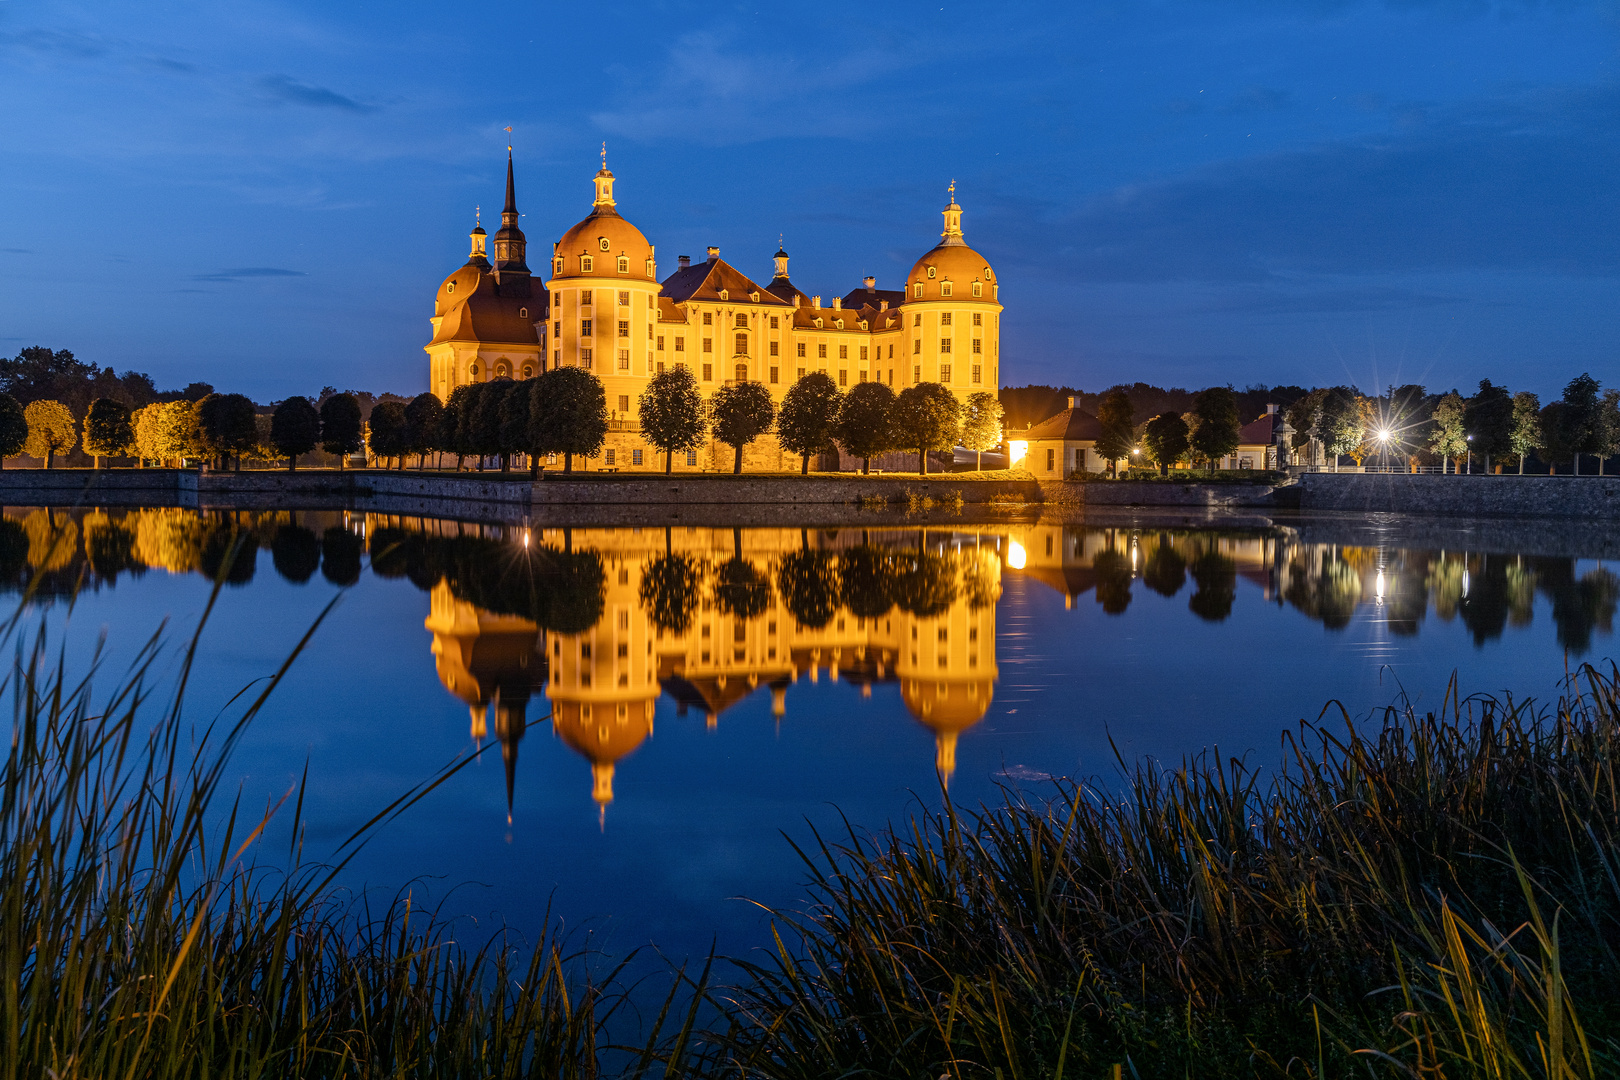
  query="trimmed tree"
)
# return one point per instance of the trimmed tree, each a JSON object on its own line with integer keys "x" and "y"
{"x": 1301, "y": 416}
{"x": 514, "y": 417}
{"x": 13, "y": 428}
{"x": 1216, "y": 433}
{"x": 1164, "y": 440}
{"x": 485, "y": 425}
{"x": 227, "y": 426}
{"x": 1608, "y": 427}
{"x": 51, "y": 430}
{"x": 424, "y": 414}
{"x": 981, "y": 424}
{"x": 107, "y": 430}
{"x": 928, "y": 417}
{"x": 671, "y": 412}
{"x": 573, "y": 416}
{"x": 448, "y": 430}
{"x": 388, "y": 432}
{"x": 1580, "y": 419}
{"x": 341, "y": 428}
{"x": 1526, "y": 434}
{"x": 1488, "y": 420}
{"x": 1341, "y": 423}
{"x": 809, "y": 417}
{"x": 295, "y": 428}
{"x": 1117, "y": 421}
{"x": 742, "y": 413}
{"x": 1450, "y": 438}
{"x": 865, "y": 426}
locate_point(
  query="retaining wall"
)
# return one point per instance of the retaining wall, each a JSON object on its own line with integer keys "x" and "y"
{"x": 1584, "y": 497}
{"x": 691, "y": 490}
{"x": 1147, "y": 493}
{"x": 100, "y": 487}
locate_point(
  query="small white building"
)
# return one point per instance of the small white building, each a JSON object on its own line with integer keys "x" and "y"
{"x": 1060, "y": 445}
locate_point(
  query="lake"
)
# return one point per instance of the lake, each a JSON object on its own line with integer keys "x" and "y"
{"x": 655, "y": 712}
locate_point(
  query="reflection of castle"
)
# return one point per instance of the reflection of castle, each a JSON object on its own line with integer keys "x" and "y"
{"x": 602, "y": 684}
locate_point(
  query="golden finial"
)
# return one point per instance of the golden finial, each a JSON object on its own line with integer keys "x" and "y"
{"x": 604, "y": 155}
{"x": 952, "y": 190}
{"x": 478, "y": 216}
{"x": 508, "y": 130}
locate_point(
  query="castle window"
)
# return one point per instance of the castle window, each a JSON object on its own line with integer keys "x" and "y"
{"x": 708, "y": 318}
{"x": 863, "y": 352}
{"x": 978, "y": 289}
{"x": 528, "y": 371}
{"x": 585, "y": 328}
{"x": 995, "y": 292}
{"x": 624, "y": 297}
{"x": 450, "y": 288}
{"x": 708, "y": 372}
{"x": 691, "y": 457}
{"x": 556, "y": 358}
{"x": 930, "y": 273}
{"x": 660, "y": 369}
{"x": 725, "y": 294}
{"x": 916, "y": 348}
{"x": 977, "y": 347}
{"x": 584, "y": 264}
{"x": 978, "y": 319}
{"x": 753, "y": 297}
{"x": 602, "y": 242}
{"x": 916, "y": 290}
{"x": 680, "y": 344}
{"x": 944, "y": 373}
{"x": 624, "y": 327}
{"x": 624, "y": 403}
{"x": 649, "y": 363}
{"x": 585, "y": 359}
{"x": 624, "y": 265}
{"x": 774, "y": 323}
{"x": 742, "y": 345}
{"x": 839, "y": 323}
{"x": 916, "y": 374}
{"x": 945, "y": 288}
{"x": 801, "y": 348}
{"x": 976, "y": 373}
{"x": 611, "y": 456}
{"x": 742, "y": 373}
{"x": 559, "y": 261}
{"x": 556, "y": 328}
{"x": 742, "y": 319}
{"x": 649, "y": 332}
{"x": 988, "y": 276}
{"x": 660, "y": 342}
{"x": 650, "y": 273}
{"x": 891, "y": 350}
{"x": 944, "y": 344}
{"x": 801, "y": 373}
{"x": 523, "y": 313}
{"x": 945, "y": 318}
{"x": 585, "y": 297}
{"x": 821, "y": 351}
{"x": 843, "y": 377}
{"x": 774, "y": 347}
{"x": 916, "y": 320}
{"x": 708, "y": 344}
{"x": 472, "y": 370}
{"x": 773, "y": 375}
{"x": 862, "y": 324}
{"x": 862, "y": 374}
{"x": 818, "y": 324}
{"x": 624, "y": 359}
{"x": 635, "y": 456}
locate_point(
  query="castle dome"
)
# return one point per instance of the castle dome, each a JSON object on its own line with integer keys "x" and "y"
{"x": 606, "y": 239}
{"x": 952, "y": 263}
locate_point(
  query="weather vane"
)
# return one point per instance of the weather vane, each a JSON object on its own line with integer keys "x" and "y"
{"x": 478, "y": 216}
{"x": 953, "y": 189}
{"x": 604, "y": 155}
{"x": 508, "y": 130}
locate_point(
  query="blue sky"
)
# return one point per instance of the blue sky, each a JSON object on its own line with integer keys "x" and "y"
{"x": 265, "y": 195}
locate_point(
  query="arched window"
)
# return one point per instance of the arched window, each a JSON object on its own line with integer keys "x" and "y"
{"x": 472, "y": 371}
{"x": 523, "y": 313}
{"x": 742, "y": 319}
{"x": 528, "y": 371}
{"x": 742, "y": 372}
{"x": 500, "y": 371}
{"x": 742, "y": 345}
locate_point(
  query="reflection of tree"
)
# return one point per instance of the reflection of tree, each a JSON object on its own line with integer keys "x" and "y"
{"x": 170, "y": 538}
{"x": 740, "y": 589}
{"x": 340, "y": 556}
{"x": 295, "y": 553}
{"x": 867, "y": 577}
{"x": 1215, "y": 576}
{"x": 1113, "y": 570}
{"x": 1406, "y": 592}
{"x": 1521, "y": 587}
{"x": 1446, "y": 585}
{"x": 1165, "y": 571}
{"x": 981, "y": 577}
{"x": 1329, "y": 592}
{"x": 1485, "y": 608}
{"x": 231, "y": 551}
{"x": 924, "y": 583}
{"x": 670, "y": 591}
{"x": 109, "y": 547}
{"x": 808, "y": 582}
{"x": 13, "y": 549}
{"x": 1578, "y": 607}
{"x": 53, "y": 540}
{"x": 577, "y": 591}
{"x": 393, "y": 550}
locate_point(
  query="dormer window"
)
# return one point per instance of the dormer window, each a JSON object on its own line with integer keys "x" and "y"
{"x": 450, "y": 288}
{"x": 818, "y": 325}
{"x": 602, "y": 242}
{"x": 978, "y": 289}
{"x": 650, "y": 272}
{"x": 624, "y": 265}
{"x": 584, "y": 264}
{"x": 523, "y": 313}
{"x": 725, "y": 294}
{"x": 753, "y": 297}
{"x": 944, "y": 288}
{"x": 988, "y": 276}
{"x": 916, "y": 290}
{"x": 930, "y": 273}
{"x": 862, "y": 324}
{"x": 559, "y": 262}
{"x": 839, "y": 323}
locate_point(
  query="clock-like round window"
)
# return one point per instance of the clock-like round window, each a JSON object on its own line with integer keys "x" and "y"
{"x": 450, "y": 287}
{"x": 528, "y": 372}
{"x": 604, "y": 242}
{"x": 472, "y": 370}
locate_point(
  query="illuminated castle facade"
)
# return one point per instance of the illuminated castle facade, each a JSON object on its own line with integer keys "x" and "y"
{"x": 607, "y": 310}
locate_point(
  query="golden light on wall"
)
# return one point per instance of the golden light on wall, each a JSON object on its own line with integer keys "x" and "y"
{"x": 1015, "y": 554}
{"x": 1017, "y": 450}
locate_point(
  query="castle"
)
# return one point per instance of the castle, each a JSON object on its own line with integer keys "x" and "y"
{"x": 606, "y": 310}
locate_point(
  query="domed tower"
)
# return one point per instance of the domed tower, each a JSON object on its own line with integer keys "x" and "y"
{"x": 604, "y": 300}
{"x": 953, "y": 314}
{"x": 488, "y": 320}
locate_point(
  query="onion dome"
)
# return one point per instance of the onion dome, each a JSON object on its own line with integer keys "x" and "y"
{"x": 604, "y": 245}
{"x": 952, "y": 269}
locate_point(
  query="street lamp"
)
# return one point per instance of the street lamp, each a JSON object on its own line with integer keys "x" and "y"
{"x": 1470, "y": 439}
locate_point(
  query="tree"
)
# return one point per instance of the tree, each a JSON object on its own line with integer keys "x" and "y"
{"x": 1165, "y": 440}
{"x": 572, "y": 415}
{"x": 1301, "y": 416}
{"x": 1341, "y": 422}
{"x": 866, "y": 577}
{"x": 1117, "y": 421}
{"x": 388, "y": 432}
{"x": 1608, "y": 427}
{"x": 107, "y": 431}
{"x": 671, "y": 589}
{"x": 1216, "y": 433}
{"x": 226, "y": 425}
{"x": 865, "y": 425}
{"x": 13, "y": 427}
{"x": 50, "y": 429}
{"x": 513, "y": 411}
{"x": 1488, "y": 421}
{"x": 1408, "y": 421}
{"x": 809, "y": 416}
{"x": 1580, "y": 418}
{"x": 295, "y": 428}
{"x": 425, "y": 414}
{"x": 448, "y": 435}
{"x": 484, "y": 423}
{"x": 165, "y": 430}
{"x": 1526, "y": 433}
{"x": 981, "y": 424}
{"x": 341, "y": 428}
{"x": 671, "y": 412}
{"x": 742, "y": 413}
{"x": 1450, "y": 439}
{"x": 807, "y": 580}
{"x": 928, "y": 417}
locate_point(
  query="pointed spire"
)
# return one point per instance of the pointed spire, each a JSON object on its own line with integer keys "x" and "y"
{"x": 511, "y": 194}
{"x": 604, "y": 185}
{"x": 511, "y": 271}
{"x": 953, "y": 222}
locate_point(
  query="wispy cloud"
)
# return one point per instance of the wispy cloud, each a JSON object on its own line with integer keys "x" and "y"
{"x": 60, "y": 42}
{"x": 17, "y": 251}
{"x": 245, "y": 272}
{"x": 291, "y": 91}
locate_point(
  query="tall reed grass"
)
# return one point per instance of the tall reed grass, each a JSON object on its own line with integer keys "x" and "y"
{"x": 1430, "y": 896}
{"x": 146, "y": 933}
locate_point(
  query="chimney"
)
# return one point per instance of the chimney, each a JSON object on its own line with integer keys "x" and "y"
{"x": 815, "y": 301}
{"x": 838, "y": 303}
{"x": 714, "y": 254}
{"x": 883, "y": 305}
{"x": 871, "y": 284}
{"x": 796, "y": 299}
{"x": 686, "y": 261}
{"x": 1271, "y": 410}
{"x": 1074, "y": 402}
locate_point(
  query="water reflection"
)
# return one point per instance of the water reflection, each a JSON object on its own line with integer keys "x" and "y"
{"x": 589, "y": 628}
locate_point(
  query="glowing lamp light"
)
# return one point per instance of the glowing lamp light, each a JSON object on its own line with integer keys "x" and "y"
{"x": 1378, "y": 584}
{"x": 1383, "y": 436}
{"x": 1017, "y": 450}
{"x": 1015, "y": 555}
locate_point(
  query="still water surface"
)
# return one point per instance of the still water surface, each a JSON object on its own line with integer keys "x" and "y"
{"x": 658, "y": 707}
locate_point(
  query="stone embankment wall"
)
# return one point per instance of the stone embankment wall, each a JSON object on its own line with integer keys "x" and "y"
{"x": 1585, "y": 497}
{"x": 225, "y": 486}
{"x": 98, "y": 487}
{"x": 1148, "y": 493}
{"x": 760, "y": 490}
